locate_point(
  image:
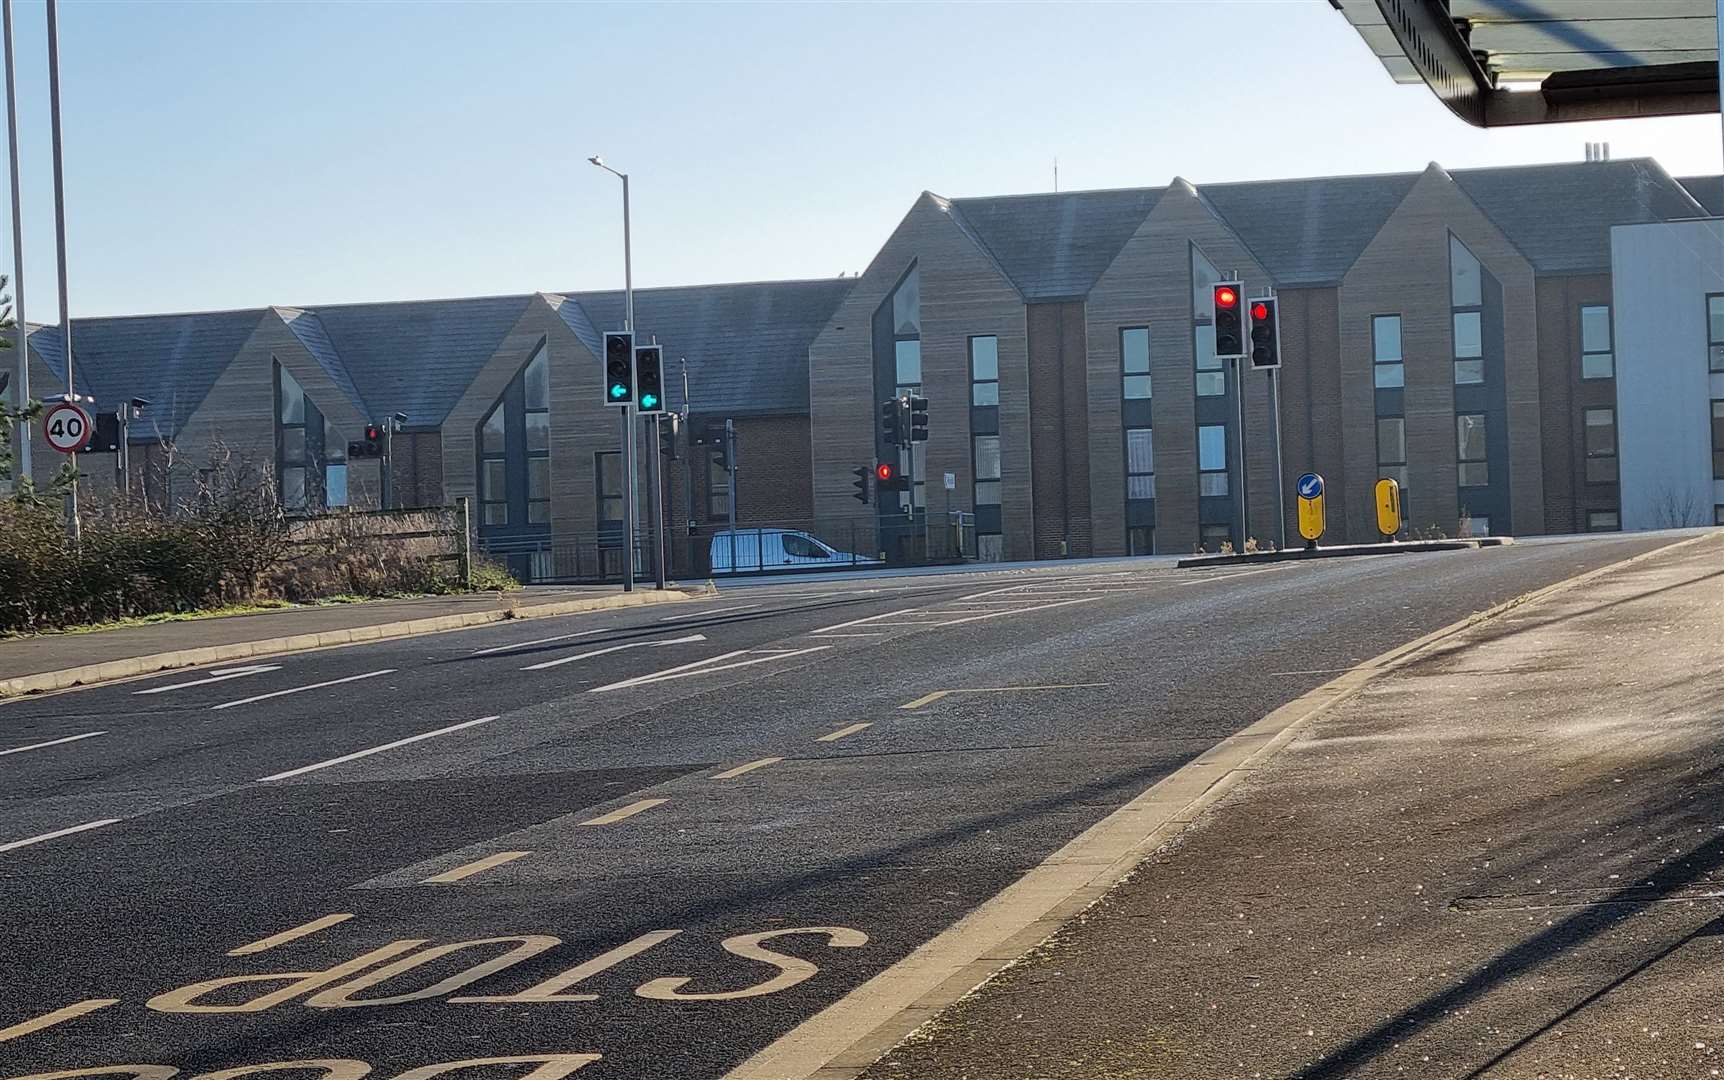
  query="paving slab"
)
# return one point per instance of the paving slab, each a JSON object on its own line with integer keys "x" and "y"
{"x": 1504, "y": 858}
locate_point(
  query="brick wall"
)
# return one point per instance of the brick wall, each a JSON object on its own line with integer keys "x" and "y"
{"x": 1563, "y": 398}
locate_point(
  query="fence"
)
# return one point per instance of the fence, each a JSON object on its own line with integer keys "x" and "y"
{"x": 434, "y": 540}
{"x": 712, "y": 550}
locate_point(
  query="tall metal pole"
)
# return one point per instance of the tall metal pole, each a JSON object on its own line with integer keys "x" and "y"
{"x": 21, "y": 458}
{"x": 730, "y": 467}
{"x": 1244, "y": 464}
{"x": 631, "y": 490}
{"x": 1280, "y": 466}
{"x": 72, "y": 529}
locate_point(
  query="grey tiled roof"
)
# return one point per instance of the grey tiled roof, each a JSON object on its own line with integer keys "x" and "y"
{"x": 1308, "y": 231}
{"x": 1708, "y": 191}
{"x": 309, "y": 330}
{"x": 417, "y": 357}
{"x": 746, "y": 344}
{"x": 172, "y": 360}
{"x": 1055, "y": 246}
{"x": 1559, "y": 216}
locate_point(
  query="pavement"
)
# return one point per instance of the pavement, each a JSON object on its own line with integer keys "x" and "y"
{"x": 1503, "y": 858}
{"x": 651, "y": 842}
{"x": 54, "y": 661}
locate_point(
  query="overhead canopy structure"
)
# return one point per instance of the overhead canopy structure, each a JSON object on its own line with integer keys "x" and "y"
{"x": 1502, "y": 62}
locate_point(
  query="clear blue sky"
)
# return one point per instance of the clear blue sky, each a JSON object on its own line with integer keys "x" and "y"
{"x": 225, "y": 155}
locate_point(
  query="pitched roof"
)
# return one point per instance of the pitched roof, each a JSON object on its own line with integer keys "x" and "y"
{"x": 1308, "y": 231}
{"x": 746, "y": 344}
{"x": 307, "y": 328}
{"x": 172, "y": 360}
{"x": 1560, "y": 215}
{"x": 1708, "y": 191}
{"x": 1054, "y": 246}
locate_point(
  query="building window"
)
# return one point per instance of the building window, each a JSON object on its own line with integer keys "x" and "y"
{"x": 1391, "y": 372}
{"x": 608, "y": 489}
{"x": 1715, "y": 332}
{"x": 1597, "y": 357}
{"x": 310, "y": 456}
{"x": 1140, "y": 540}
{"x": 987, "y": 464}
{"x": 907, "y": 365}
{"x": 1469, "y": 348}
{"x": 1475, "y": 525}
{"x": 1134, "y": 362}
{"x": 717, "y": 490}
{"x": 1212, "y": 459}
{"x": 1718, "y": 440}
{"x": 984, "y": 370}
{"x": 1470, "y": 447}
{"x": 1139, "y": 464}
{"x": 1718, "y": 515}
{"x": 1603, "y": 521}
{"x": 515, "y": 450}
{"x": 1211, "y": 379}
{"x": 907, "y": 333}
{"x": 1464, "y": 278}
{"x": 1600, "y": 427}
{"x": 1392, "y": 452}
{"x": 1466, "y": 296}
{"x": 1211, "y": 537}
{"x": 334, "y": 466}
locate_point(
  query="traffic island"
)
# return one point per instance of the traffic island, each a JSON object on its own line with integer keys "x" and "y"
{"x": 1395, "y": 547}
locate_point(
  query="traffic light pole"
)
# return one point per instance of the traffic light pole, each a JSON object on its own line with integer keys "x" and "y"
{"x": 631, "y": 490}
{"x": 73, "y": 530}
{"x": 1244, "y": 459}
{"x": 655, "y": 481}
{"x": 21, "y": 445}
{"x": 1274, "y": 374}
{"x": 730, "y": 467}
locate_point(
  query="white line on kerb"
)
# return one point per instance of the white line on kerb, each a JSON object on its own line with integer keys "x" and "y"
{"x": 215, "y": 677}
{"x": 52, "y": 742}
{"x": 611, "y": 649}
{"x": 375, "y": 750}
{"x": 302, "y": 689}
{"x": 58, "y": 833}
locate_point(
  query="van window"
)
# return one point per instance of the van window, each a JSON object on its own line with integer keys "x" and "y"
{"x": 800, "y": 547}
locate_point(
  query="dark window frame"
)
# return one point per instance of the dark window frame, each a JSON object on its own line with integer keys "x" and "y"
{"x": 601, "y": 497}
{"x": 516, "y": 453}
{"x": 970, "y": 351}
{"x": 1125, "y": 376}
{"x": 1400, "y": 361}
{"x": 1125, "y": 448}
{"x": 1226, "y": 483}
{"x": 1592, "y": 456}
{"x": 1610, "y": 351}
{"x": 1714, "y": 345}
{"x": 1461, "y": 460}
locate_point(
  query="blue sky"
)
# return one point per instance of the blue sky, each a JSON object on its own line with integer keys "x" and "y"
{"x": 224, "y": 155}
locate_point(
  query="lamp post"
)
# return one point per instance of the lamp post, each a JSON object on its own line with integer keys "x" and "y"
{"x": 631, "y": 500}
{"x": 21, "y": 457}
{"x": 73, "y": 530}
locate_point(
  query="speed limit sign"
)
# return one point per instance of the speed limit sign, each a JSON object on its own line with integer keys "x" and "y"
{"x": 67, "y": 426}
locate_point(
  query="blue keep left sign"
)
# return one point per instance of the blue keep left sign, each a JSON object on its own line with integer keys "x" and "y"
{"x": 1310, "y": 486}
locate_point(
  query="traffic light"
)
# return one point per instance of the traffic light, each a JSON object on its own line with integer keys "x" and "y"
{"x": 887, "y": 478}
{"x": 369, "y": 447}
{"x": 918, "y": 419}
{"x": 1229, "y": 334}
{"x": 649, "y": 379}
{"x": 862, "y": 472}
{"x": 891, "y": 422}
{"x": 1265, "y": 334}
{"x": 619, "y": 367}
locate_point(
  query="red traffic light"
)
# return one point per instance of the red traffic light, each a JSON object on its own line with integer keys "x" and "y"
{"x": 373, "y": 432}
{"x": 1259, "y": 310}
{"x": 1226, "y": 296}
{"x": 884, "y": 471}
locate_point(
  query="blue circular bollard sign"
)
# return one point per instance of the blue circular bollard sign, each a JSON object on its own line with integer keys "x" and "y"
{"x": 1310, "y": 486}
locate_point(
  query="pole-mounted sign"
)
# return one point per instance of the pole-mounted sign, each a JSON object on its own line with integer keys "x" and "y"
{"x": 67, "y": 427}
{"x": 1310, "y": 489}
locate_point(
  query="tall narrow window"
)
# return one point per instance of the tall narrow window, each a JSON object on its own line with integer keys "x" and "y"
{"x": 514, "y": 444}
{"x": 1466, "y": 296}
{"x": 1600, "y": 425}
{"x": 984, "y": 370}
{"x": 1718, "y": 440}
{"x": 901, "y": 313}
{"x": 1212, "y": 459}
{"x": 1470, "y": 450}
{"x": 334, "y": 466}
{"x": 987, "y": 461}
{"x": 1134, "y": 362}
{"x": 301, "y": 435}
{"x": 1715, "y": 332}
{"x": 1391, "y": 370}
{"x": 608, "y": 488}
{"x": 1597, "y": 359}
{"x": 1139, "y": 464}
{"x": 1211, "y": 378}
{"x": 1392, "y": 450}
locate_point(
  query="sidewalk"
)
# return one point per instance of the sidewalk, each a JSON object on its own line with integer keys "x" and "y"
{"x": 1504, "y": 859}
{"x": 52, "y": 661}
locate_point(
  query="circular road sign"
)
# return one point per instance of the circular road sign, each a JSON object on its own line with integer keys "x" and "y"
{"x": 67, "y": 427}
{"x": 1310, "y": 486}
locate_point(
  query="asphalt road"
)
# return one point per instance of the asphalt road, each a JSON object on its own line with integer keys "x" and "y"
{"x": 613, "y": 880}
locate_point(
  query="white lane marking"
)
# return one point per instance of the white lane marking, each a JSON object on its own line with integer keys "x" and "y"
{"x": 303, "y": 769}
{"x": 626, "y": 812}
{"x": 868, "y": 619}
{"x": 742, "y": 770}
{"x": 215, "y": 677}
{"x": 1018, "y": 611}
{"x": 870, "y": 633}
{"x": 536, "y": 641}
{"x": 302, "y": 689}
{"x": 704, "y": 614}
{"x": 611, "y": 649}
{"x": 844, "y": 732}
{"x": 52, "y": 742}
{"x": 58, "y": 833}
{"x": 712, "y": 665}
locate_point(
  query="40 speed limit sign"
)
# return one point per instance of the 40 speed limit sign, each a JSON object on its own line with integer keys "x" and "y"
{"x": 67, "y": 427}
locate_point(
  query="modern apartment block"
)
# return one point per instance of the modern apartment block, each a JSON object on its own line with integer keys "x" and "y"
{"x": 1457, "y": 330}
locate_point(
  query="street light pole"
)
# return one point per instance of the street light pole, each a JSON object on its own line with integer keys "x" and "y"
{"x": 73, "y": 531}
{"x": 21, "y": 458}
{"x": 631, "y": 492}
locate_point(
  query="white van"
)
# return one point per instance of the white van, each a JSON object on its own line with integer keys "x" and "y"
{"x": 755, "y": 550}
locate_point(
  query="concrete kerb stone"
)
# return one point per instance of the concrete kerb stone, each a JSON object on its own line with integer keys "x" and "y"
{"x": 130, "y": 667}
{"x": 1296, "y": 554}
{"x": 873, "y": 1018}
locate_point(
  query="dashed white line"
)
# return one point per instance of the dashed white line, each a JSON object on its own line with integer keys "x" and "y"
{"x": 703, "y": 667}
{"x": 704, "y": 614}
{"x": 868, "y": 619}
{"x": 628, "y": 811}
{"x": 56, "y": 834}
{"x": 1017, "y": 611}
{"x": 845, "y": 732}
{"x": 302, "y": 770}
{"x": 536, "y": 641}
{"x": 741, "y": 770}
{"x": 611, "y": 649}
{"x": 52, "y": 742}
{"x": 303, "y": 689}
{"x": 215, "y": 677}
